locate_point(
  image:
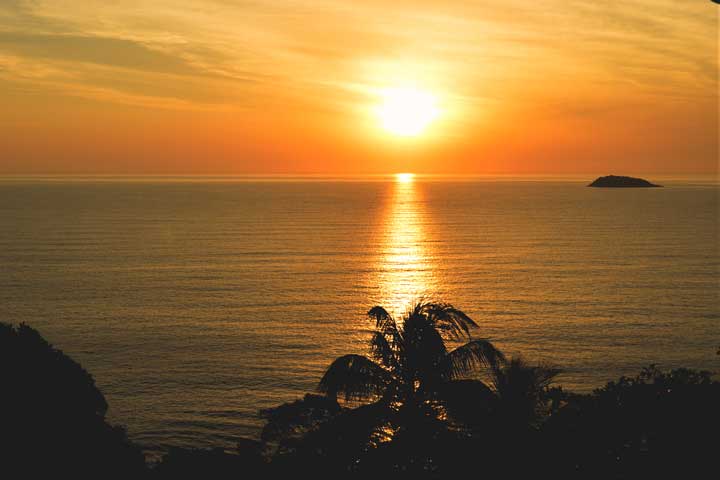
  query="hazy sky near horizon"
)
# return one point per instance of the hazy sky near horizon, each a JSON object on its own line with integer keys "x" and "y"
{"x": 290, "y": 86}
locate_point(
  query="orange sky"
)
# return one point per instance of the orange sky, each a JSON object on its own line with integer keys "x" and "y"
{"x": 254, "y": 86}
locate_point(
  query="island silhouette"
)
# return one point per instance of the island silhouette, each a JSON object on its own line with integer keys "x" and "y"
{"x": 619, "y": 181}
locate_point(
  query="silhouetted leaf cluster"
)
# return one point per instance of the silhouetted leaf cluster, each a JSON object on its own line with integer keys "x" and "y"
{"x": 654, "y": 425}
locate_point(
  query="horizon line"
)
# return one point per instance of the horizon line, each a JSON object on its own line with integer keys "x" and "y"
{"x": 350, "y": 175}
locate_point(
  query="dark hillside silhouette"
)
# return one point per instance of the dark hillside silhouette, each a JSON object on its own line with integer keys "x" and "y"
{"x": 53, "y": 415}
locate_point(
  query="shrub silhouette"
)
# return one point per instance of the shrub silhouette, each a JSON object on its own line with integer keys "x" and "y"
{"x": 53, "y": 415}
{"x": 654, "y": 425}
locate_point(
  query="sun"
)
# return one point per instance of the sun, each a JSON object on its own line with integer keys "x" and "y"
{"x": 405, "y": 111}
{"x": 404, "y": 177}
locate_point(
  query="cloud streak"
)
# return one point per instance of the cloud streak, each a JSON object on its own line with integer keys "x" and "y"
{"x": 315, "y": 64}
{"x": 100, "y": 50}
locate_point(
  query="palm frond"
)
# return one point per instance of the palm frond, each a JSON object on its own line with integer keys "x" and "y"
{"x": 382, "y": 350}
{"x": 545, "y": 374}
{"x": 380, "y": 315}
{"x": 473, "y": 355}
{"x": 385, "y": 324}
{"x": 447, "y": 319}
{"x": 424, "y": 346}
{"x": 517, "y": 375}
{"x": 523, "y": 390}
{"x": 355, "y": 377}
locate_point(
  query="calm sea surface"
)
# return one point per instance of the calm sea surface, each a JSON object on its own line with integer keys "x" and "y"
{"x": 196, "y": 302}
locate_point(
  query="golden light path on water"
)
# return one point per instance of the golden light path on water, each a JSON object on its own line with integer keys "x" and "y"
{"x": 406, "y": 272}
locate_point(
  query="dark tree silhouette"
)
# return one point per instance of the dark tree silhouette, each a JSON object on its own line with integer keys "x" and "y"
{"x": 518, "y": 397}
{"x": 53, "y": 416}
{"x": 410, "y": 359}
{"x": 522, "y": 391}
{"x": 411, "y": 366}
{"x": 417, "y": 402}
{"x": 657, "y": 424}
{"x": 400, "y": 392}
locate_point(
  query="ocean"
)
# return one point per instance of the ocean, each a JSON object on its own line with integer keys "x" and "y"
{"x": 196, "y": 301}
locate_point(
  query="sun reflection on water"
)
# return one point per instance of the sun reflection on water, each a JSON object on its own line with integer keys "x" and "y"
{"x": 405, "y": 264}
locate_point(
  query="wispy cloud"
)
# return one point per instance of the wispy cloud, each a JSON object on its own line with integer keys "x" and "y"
{"x": 100, "y": 50}
{"x": 308, "y": 61}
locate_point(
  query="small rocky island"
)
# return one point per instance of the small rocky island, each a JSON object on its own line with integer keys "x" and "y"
{"x": 615, "y": 181}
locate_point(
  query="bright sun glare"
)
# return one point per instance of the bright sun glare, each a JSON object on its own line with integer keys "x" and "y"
{"x": 404, "y": 177}
{"x": 407, "y": 112}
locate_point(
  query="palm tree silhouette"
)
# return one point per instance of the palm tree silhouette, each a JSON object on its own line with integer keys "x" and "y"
{"x": 413, "y": 400}
{"x": 522, "y": 390}
{"x": 411, "y": 368}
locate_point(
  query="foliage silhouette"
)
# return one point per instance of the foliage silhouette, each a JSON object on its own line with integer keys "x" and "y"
{"x": 654, "y": 425}
{"x": 518, "y": 397}
{"x": 214, "y": 463}
{"x": 422, "y": 411}
{"x": 411, "y": 368}
{"x": 53, "y": 415}
{"x": 414, "y": 409}
{"x": 410, "y": 363}
{"x": 415, "y": 395}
